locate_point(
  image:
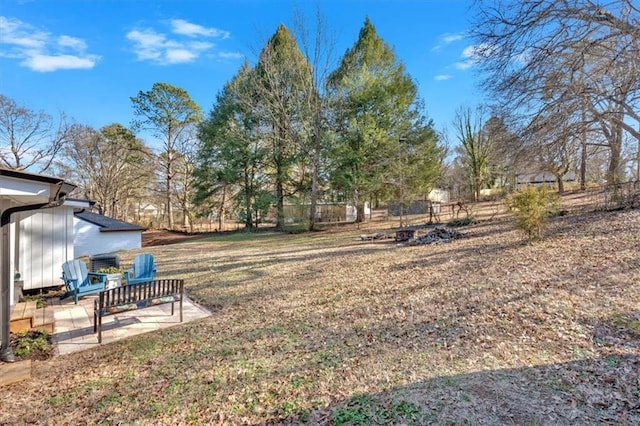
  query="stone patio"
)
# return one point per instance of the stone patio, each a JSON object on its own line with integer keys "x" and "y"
{"x": 74, "y": 323}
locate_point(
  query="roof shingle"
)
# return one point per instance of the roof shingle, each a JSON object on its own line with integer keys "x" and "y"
{"x": 107, "y": 224}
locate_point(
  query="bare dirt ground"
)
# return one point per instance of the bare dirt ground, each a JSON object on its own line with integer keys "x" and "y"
{"x": 161, "y": 237}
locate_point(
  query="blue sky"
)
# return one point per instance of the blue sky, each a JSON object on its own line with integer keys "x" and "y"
{"x": 86, "y": 59}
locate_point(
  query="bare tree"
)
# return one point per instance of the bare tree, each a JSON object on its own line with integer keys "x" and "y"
{"x": 109, "y": 167}
{"x": 169, "y": 113}
{"x": 476, "y": 147}
{"x": 510, "y": 155}
{"x": 557, "y": 147}
{"x": 183, "y": 183}
{"x": 535, "y": 51}
{"x": 28, "y": 139}
{"x": 318, "y": 49}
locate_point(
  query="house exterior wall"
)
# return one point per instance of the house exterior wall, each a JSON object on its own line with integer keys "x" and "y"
{"x": 89, "y": 241}
{"x": 543, "y": 178}
{"x": 46, "y": 242}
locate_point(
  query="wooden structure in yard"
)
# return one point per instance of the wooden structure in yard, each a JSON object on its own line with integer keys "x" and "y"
{"x": 12, "y": 372}
{"x": 26, "y": 316}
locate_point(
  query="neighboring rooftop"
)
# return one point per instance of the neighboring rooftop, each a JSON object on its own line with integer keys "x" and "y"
{"x": 107, "y": 224}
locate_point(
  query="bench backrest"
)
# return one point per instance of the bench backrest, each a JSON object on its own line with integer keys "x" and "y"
{"x": 139, "y": 292}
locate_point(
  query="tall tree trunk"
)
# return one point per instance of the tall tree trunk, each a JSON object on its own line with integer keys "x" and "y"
{"x": 279, "y": 205}
{"x": 315, "y": 170}
{"x": 358, "y": 206}
{"x": 615, "y": 145}
{"x": 221, "y": 208}
{"x": 168, "y": 182}
{"x": 314, "y": 198}
{"x": 248, "y": 210}
{"x": 583, "y": 155}
{"x": 280, "y": 156}
{"x": 560, "y": 184}
{"x": 186, "y": 215}
{"x": 638, "y": 162}
{"x": 168, "y": 206}
{"x": 360, "y": 213}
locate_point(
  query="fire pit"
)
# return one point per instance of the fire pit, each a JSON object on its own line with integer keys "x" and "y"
{"x": 405, "y": 234}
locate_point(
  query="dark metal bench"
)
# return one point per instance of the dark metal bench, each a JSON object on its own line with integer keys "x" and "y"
{"x": 136, "y": 296}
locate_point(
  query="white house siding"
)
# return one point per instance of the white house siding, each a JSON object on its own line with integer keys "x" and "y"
{"x": 89, "y": 241}
{"x": 46, "y": 242}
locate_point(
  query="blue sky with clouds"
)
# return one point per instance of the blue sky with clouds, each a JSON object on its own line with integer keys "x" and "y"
{"x": 86, "y": 59}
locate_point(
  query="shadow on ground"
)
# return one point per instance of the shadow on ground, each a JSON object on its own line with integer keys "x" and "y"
{"x": 596, "y": 391}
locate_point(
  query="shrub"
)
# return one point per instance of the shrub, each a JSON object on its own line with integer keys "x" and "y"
{"x": 532, "y": 207}
{"x": 26, "y": 343}
{"x": 39, "y": 298}
{"x": 110, "y": 270}
{"x": 456, "y": 222}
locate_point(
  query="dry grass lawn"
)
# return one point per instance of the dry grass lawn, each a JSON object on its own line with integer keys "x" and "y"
{"x": 324, "y": 328}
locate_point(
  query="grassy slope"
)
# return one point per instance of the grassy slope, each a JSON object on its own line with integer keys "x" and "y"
{"x": 328, "y": 329}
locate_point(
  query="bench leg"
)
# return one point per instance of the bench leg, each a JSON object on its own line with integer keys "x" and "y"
{"x": 99, "y": 329}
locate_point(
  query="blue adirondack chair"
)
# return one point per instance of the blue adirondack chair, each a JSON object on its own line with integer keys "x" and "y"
{"x": 144, "y": 269}
{"x": 79, "y": 281}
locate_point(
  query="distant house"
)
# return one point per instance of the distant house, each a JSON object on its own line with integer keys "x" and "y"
{"x": 542, "y": 178}
{"x": 439, "y": 196}
{"x": 149, "y": 213}
{"x": 94, "y": 233}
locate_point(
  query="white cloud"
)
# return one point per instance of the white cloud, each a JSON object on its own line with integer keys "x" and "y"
{"x": 446, "y": 39}
{"x": 176, "y": 56}
{"x": 41, "y": 51}
{"x": 231, "y": 55}
{"x": 186, "y": 42}
{"x": 49, "y": 63}
{"x": 470, "y": 52}
{"x": 15, "y": 33}
{"x": 523, "y": 58}
{"x": 180, "y": 26}
{"x": 147, "y": 44}
{"x": 464, "y": 65}
{"x": 442, "y": 77}
{"x": 450, "y": 38}
{"x": 72, "y": 43}
{"x": 471, "y": 56}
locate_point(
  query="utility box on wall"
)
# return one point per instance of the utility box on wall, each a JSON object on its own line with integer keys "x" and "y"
{"x": 106, "y": 260}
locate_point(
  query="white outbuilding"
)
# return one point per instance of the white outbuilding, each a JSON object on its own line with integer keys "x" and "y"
{"x": 94, "y": 234}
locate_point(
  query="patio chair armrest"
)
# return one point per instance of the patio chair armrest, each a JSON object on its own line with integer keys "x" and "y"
{"x": 71, "y": 283}
{"x": 98, "y": 276}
